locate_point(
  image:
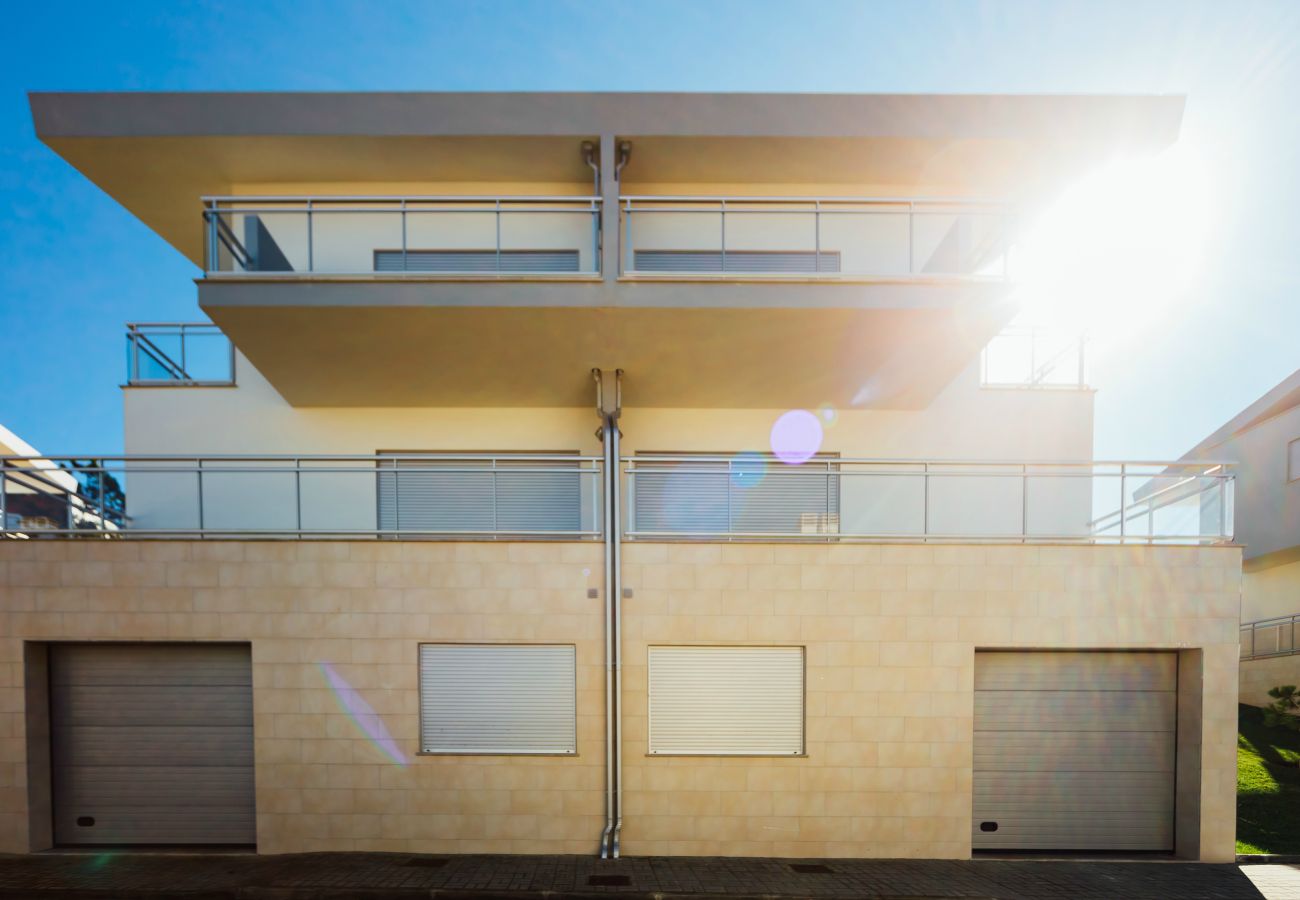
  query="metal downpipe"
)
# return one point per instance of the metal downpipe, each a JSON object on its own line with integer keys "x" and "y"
{"x": 616, "y": 544}
{"x": 605, "y": 432}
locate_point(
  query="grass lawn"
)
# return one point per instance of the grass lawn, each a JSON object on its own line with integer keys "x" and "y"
{"x": 1268, "y": 786}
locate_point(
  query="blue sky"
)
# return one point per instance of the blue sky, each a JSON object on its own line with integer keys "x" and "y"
{"x": 76, "y": 266}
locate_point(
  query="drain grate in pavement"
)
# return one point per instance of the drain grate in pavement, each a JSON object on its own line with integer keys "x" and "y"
{"x": 425, "y": 862}
{"x": 608, "y": 881}
{"x": 811, "y": 869}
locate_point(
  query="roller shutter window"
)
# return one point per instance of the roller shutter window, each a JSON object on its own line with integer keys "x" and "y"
{"x": 754, "y": 495}
{"x": 529, "y": 261}
{"x": 152, "y": 744}
{"x": 726, "y": 701}
{"x": 1074, "y": 750}
{"x": 498, "y": 699}
{"x": 471, "y": 495}
{"x": 740, "y": 261}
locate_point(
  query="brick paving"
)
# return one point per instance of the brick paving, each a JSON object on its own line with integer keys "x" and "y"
{"x": 352, "y": 876}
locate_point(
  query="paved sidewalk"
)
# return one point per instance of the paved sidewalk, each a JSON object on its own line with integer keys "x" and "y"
{"x": 352, "y": 876}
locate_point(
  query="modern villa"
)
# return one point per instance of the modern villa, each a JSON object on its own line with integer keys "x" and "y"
{"x": 640, "y": 474}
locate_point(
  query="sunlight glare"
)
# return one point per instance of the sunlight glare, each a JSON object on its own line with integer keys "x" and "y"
{"x": 1119, "y": 247}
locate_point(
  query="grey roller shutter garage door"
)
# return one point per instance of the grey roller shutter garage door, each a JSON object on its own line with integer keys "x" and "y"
{"x": 152, "y": 743}
{"x": 1074, "y": 751}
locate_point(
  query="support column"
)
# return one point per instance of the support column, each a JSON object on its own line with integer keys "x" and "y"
{"x": 609, "y": 257}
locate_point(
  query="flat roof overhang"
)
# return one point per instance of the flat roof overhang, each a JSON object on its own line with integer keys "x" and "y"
{"x": 159, "y": 153}
{"x": 691, "y": 345}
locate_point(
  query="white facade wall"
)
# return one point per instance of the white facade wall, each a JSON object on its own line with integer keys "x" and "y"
{"x": 964, "y": 422}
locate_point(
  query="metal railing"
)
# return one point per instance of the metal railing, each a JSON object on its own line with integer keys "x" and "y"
{"x": 527, "y": 236}
{"x": 1029, "y": 357}
{"x": 746, "y": 497}
{"x": 1270, "y": 637}
{"x": 826, "y": 499}
{"x": 178, "y": 353}
{"x": 37, "y": 495}
{"x": 814, "y": 237}
{"x": 460, "y": 496}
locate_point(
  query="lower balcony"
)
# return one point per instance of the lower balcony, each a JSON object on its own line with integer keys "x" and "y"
{"x": 666, "y": 497}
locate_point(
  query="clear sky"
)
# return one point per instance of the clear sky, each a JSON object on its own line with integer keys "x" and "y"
{"x": 74, "y": 266}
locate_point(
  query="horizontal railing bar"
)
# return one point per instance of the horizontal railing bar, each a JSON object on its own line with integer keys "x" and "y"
{"x": 488, "y": 211}
{"x": 401, "y": 198}
{"x": 147, "y": 457}
{"x": 921, "y": 536}
{"x": 287, "y": 531}
{"x": 195, "y": 326}
{"x": 805, "y": 198}
{"x": 931, "y": 462}
{"x": 1271, "y": 623}
{"x": 676, "y": 210}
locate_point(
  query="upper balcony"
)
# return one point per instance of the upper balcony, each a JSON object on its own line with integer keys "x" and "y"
{"x": 710, "y": 245}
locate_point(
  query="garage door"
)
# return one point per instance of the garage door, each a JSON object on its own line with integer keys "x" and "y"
{"x": 1074, "y": 751}
{"x": 152, "y": 743}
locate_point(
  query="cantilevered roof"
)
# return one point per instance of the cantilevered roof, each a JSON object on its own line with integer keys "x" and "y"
{"x": 1285, "y": 396}
{"x": 158, "y": 153}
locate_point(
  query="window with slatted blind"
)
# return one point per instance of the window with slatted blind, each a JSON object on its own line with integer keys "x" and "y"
{"x": 751, "y": 494}
{"x": 726, "y": 701}
{"x": 498, "y": 698}
{"x": 479, "y": 495}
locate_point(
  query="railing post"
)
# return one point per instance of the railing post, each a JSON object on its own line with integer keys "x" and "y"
{"x": 817, "y": 236}
{"x": 1223, "y": 509}
{"x": 214, "y": 250}
{"x": 1024, "y": 502}
{"x": 198, "y": 472}
{"x": 911, "y": 237}
{"x": 297, "y": 494}
{"x": 722, "y": 221}
{"x": 498, "y": 224}
{"x": 925, "y": 500}
{"x": 729, "y": 475}
{"x": 495, "y": 513}
{"x": 103, "y": 500}
{"x": 397, "y": 497}
{"x": 180, "y": 334}
{"x": 595, "y": 237}
{"x": 311, "y": 257}
{"x": 629, "y": 260}
{"x": 1123, "y": 502}
{"x": 134, "y": 341}
{"x": 4, "y": 500}
{"x": 404, "y": 263}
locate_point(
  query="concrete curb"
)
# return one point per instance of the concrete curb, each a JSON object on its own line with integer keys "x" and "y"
{"x": 1278, "y": 859}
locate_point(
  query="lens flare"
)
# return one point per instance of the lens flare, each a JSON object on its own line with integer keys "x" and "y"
{"x": 827, "y": 414}
{"x": 363, "y": 714}
{"x": 747, "y": 469}
{"x": 796, "y": 437}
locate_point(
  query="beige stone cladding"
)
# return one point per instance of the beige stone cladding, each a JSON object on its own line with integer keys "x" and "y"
{"x": 363, "y": 606}
{"x": 889, "y": 630}
{"x": 1258, "y": 675}
{"x": 890, "y": 633}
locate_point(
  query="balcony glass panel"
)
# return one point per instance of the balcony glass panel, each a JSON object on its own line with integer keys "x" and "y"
{"x": 819, "y": 237}
{"x": 403, "y": 236}
{"x": 178, "y": 353}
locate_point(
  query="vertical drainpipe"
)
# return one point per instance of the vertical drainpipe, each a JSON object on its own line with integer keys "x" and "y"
{"x": 609, "y": 407}
{"x": 617, "y": 542}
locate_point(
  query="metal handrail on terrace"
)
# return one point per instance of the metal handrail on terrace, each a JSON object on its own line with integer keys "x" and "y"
{"x": 827, "y": 499}
{"x": 398, "y": 495}
{"x": 1266, "y": 638}
{"x": 194, "y": 354}
{"x": 1029, "y": 357}
{"x": 402, "y": 236}
{"x": 824, "y": 238}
